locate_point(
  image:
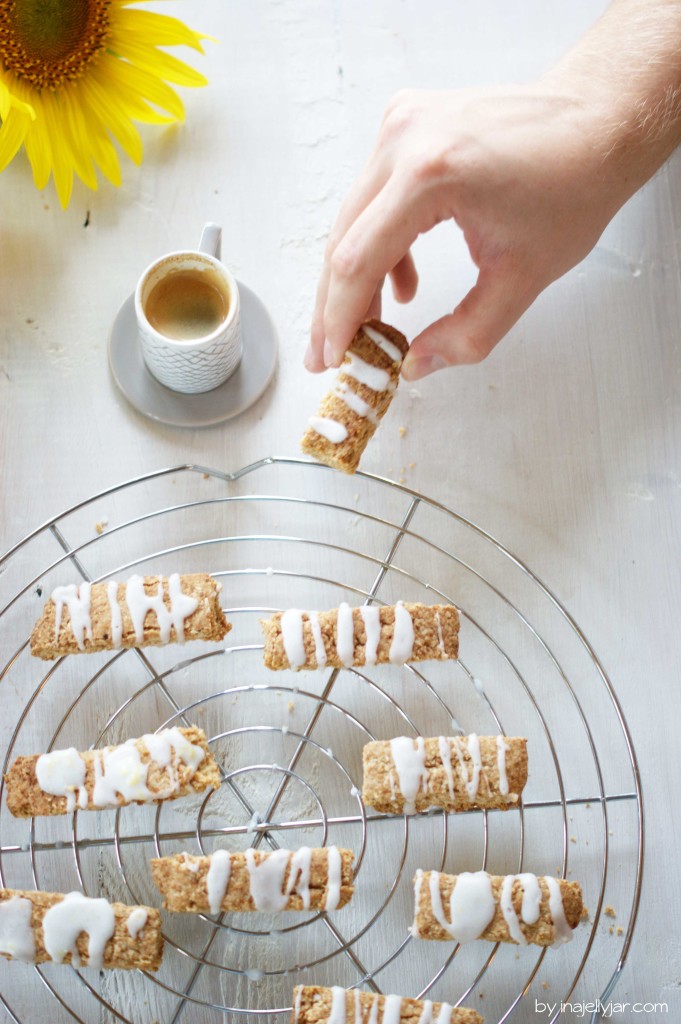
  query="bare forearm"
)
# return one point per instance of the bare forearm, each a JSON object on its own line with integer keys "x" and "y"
{"x": 628, "y": 69}
{"x": 532, "y": 175}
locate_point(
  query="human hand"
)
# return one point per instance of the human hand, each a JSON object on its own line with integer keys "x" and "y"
{"x": 525, "y": 174}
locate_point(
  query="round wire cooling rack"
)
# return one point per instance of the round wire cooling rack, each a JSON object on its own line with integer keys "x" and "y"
{"x": 289, "y": 533}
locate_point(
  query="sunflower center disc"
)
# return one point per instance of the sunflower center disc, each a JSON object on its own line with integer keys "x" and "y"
{"x": 48, "y": 42}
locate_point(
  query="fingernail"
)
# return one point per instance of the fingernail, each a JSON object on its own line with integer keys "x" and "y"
{"x": 414, "y": 369}
{"x": 329, "y": 357}
{"x": 308, "y": 358}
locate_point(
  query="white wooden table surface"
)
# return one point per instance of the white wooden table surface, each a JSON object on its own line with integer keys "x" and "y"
{"x": 565, "y": 444}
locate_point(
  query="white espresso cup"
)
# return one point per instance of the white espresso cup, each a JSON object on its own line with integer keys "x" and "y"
{"x": 189, "y": 317}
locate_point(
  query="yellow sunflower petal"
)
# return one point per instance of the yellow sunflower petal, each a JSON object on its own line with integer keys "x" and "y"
{"x": 163, "y": 65}
{"x": 62, "y": 169}
{"x": 109, "y": 114}
{"x": 9, "y": 100}
{"x": 15, "y": 126}
{"x": 5, "y": 101}
{"x": 39, "y": 152}
{"x": 133, "y": 87}
{"x": 69, "y": 120}
{"x": 37, "y": 141}
{"x": 77, "y": 135}
{"x": 105, "y": 156}
{"x": 156, "y": 29}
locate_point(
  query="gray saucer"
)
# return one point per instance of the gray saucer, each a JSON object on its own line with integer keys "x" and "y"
{"x": 244, "y": 387}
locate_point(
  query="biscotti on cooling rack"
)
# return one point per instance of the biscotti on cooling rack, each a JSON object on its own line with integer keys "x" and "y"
{"x": 406, "y": 774}
{"x": 365, "y": 636}
{"x": 313, "y": 1004}
{"x": 348, "y": 415}
{"x": 511, "y": 908}
{"x": 304, "y": 879}
{"x": 39, "y": 926}
{"x": 158, "y": 766}
{"x": 143, "y": 611}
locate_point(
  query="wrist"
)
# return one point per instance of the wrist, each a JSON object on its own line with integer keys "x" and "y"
{"x": 625, "y": 77}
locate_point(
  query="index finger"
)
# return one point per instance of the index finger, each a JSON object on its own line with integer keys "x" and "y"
{"x": 362, "y": 192}
{"x": 373, "y": 245}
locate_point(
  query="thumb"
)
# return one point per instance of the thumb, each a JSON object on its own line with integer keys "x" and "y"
{"x": 489, "y": 310}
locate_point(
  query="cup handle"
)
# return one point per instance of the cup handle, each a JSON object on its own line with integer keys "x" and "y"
{"x": 211, "y": 238}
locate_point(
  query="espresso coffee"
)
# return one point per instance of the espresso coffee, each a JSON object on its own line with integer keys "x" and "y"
{"x": 187, "y": 304}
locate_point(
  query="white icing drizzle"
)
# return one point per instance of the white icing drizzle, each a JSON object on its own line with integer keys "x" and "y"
{"x": 445, "y": 750}
{"x": 393, "y": 791}
{"x": 292, "y": 635}
{"x": 358, "y": 1007}
{"x": 392, "y": 1010}
{"x": 373, "y": 1013}
{"x": 337, "y": 1013}
{"x": 62, "y": 773}
{"x": 140, "y": 604}
{"x": 508, "y": 910}
{"x": 402, "y": 644}
{"x": 409, "y": 758}
{"x": 502, "y": 748}
{"x": 189, "y": 864}
{"x": 299, "y": 875}
{"x": 418, "y": 882}
{"x": 168, "y": 742}
{"x": 562, "y": 932}
{"x": 136, "y": 921}
{"x": 120, "y": 770}
{"x": 334, "y": 878}
{"x": 440, "y": 637}
{"x": 63, "y": 923}
{"x": 443, "y": 1017}
{"x": 345, "y": 635}
{"x": 217, "y": 879}
{"x": 471, "y": 906}
{"x": 16, "y": 933}
{"x": 77, "y": 600}
{"x": 181, "y": 605}
{"x": 331, "y": 429}
{"x": 372, "y": 626}
{"x": 426, "y": 1013}
{"x": 473, "y": 783}
{"x": 319, "y": 648}
{"x": 387, "y": 346}
{"x": 267, "y": 879}
{"x": 372, "y": 376}
{"x": 344, "y": 392}
{"x": 531, "y": 907}
{"x": 115, "y": 611}
{"x": 296, "y": 1008}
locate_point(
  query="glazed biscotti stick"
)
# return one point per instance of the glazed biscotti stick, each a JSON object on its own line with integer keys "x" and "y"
{"x": 157, "y": 766}
{"x": 349, "y": 414}
{"x": 510, "y": 908}
{"x": 405, "y": 775}
{"x": 143, "y": 611}
{"x": 313, "y": 1004}
{"x": 39, "y": 926}
{"x": 304, "y": 879}
{"x": 369, "y": 635}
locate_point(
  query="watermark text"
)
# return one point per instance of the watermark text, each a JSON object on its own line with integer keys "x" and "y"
{"x": 606, "y": 1010}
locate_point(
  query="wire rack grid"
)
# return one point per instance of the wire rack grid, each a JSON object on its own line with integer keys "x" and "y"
{"x": 289, "y": 533}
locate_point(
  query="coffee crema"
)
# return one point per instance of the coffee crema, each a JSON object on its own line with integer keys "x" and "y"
{"x": 187, "y": 304}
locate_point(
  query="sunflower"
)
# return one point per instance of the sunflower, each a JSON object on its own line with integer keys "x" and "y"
{"x": 75, "y": 74}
